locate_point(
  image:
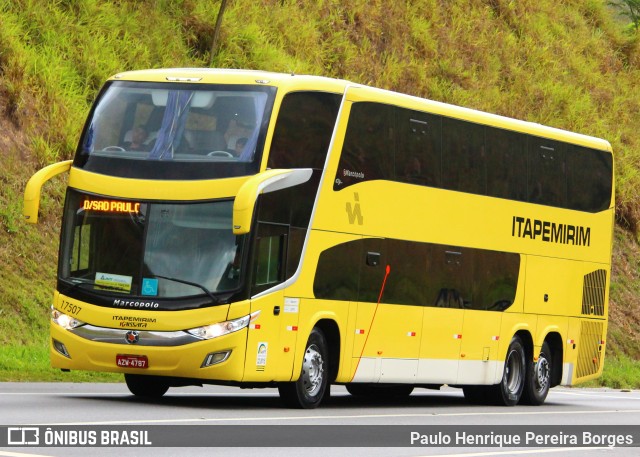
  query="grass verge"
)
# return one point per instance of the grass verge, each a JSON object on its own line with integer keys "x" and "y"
{"x": 31, "y": 364}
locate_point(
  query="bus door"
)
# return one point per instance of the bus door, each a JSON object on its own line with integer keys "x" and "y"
{"x": 443, "y": 315}
{"x": 388, "y": 328}
{"x": 479, "y": 347}
{"x": 272, "y": 338}
{"x": 490, "y": 291}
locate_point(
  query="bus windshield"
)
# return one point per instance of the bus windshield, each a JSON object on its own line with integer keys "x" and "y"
{"x": 150, "y": 250}
{"x": 176, "y": 131}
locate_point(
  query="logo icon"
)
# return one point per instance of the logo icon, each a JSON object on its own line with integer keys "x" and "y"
{"x": 29, "y": 436}
{"x": 132, "y": 337}
{"x": 353, "y": 212}
{"x": 149, "y": 286}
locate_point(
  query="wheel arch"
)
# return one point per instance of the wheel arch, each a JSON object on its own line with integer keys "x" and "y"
{"x": 331, "y": 332}
{"x": 527, "y": 342}
{"x": 554, "y": 340}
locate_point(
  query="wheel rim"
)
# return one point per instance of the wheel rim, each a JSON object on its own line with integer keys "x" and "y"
{"x": 542, "y": 374}
{"x": 513, "y": 373}
{"x": 312, "y": 370}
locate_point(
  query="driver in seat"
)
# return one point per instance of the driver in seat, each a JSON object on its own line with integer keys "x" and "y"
{"x": 138, "y": 137}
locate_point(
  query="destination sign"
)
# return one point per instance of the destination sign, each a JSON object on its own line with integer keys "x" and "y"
{"x": 110, "y": 206}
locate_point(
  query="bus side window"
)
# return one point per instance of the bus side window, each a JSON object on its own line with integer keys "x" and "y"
{"x": 463, "y": 156}
{"x": 418, "y": 159}
{"x": 368, "y": 152}
{"x": 547, "y": 183}
{"x": 303, "y": 130}
{"x": 588, "y": 179}
{"x": 506, "y": 164}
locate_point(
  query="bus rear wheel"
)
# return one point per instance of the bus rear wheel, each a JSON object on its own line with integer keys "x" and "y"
{"x": 146, "y": 386}
{"x": 509, "y": 391}
{"x": 313, "y": 384}
{"x": 538, "y": 380}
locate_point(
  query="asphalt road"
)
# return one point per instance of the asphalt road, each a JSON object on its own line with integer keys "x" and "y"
{"x": 344, "y": 426}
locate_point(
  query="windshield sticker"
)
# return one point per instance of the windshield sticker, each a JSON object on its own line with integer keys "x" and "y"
{"x": 149, "y": 286}
{"x": 113, "y": 281}
{"x": 261, "y": 359}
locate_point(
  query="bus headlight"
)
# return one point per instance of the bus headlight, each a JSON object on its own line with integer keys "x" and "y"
{"x": 208, "y": 332}
{"x": 65, "y": 321}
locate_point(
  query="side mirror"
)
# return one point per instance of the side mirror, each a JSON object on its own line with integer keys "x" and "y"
{"x": 267, "y": 181}
{"x": 34, "y": 186}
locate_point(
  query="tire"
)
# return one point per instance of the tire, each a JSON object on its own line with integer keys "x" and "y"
{"x": 509, "y": 391}
{"x": 379, "y": 391}
{"x": 538, "y": 380}
{"x": 313, "y": 384}
{"x": 146, "y": 386}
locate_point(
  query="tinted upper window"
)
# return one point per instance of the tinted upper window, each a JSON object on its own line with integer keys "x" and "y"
{"x": 418, "y": 158}
{"x": 369, "y": 146}
{"x": 594, "y": 168}
{"x": 463, "y": 156}
{"x": 393, "y": 143}
{"x": 506, "y": 164}
{"x": 547, "y": 182}
{"x": 303, "y": 130}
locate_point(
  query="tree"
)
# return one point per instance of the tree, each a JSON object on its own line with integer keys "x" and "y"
{"x": 216, "y": 32}
{"x": 631, "y": 10}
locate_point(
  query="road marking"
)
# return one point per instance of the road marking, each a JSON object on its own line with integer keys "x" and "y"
{"x": 18, "y": 454}
{"x": 528, "y": 451}
{"x": 598, "y": 395}
{"x": 127, "y": 394}
{"x": 321, "y": 417}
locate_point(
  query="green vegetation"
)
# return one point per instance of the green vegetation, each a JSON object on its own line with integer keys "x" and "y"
{"x": 571, "y": 64}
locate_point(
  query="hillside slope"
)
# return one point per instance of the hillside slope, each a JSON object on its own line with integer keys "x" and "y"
{"x": 568, "y": 64}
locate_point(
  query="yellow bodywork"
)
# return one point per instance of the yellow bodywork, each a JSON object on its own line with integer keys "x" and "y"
{"x": 377, "y": 342}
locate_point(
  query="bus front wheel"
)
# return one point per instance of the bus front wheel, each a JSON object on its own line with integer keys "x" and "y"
{"x": 313, "y": 384}
{"x": 509, "y": 391}
{"x": 146, "y": 386}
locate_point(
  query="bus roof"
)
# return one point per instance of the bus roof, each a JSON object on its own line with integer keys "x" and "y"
{"x": 229, "y": 76}
{"x": 357, "y": 92}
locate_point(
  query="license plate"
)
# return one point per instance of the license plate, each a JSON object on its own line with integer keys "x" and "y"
{"x": 132, "y": 361}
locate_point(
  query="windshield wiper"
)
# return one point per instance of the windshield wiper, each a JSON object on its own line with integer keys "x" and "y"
{"x": 194, "y": 284}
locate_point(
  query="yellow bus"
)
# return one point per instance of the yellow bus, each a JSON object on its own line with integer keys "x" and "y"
{"x": 273, "y": 230}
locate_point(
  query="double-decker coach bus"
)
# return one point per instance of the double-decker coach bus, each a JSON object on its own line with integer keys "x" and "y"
{"x": 258, "y": 229}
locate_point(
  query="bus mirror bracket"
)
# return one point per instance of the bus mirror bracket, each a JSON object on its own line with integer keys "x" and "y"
{"x": 267, "y": 181}
{"x": 34, "y": 186}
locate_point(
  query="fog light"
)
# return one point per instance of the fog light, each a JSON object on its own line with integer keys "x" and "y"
{"x": 61, "y": 348}
{"x": 214, "y": 358}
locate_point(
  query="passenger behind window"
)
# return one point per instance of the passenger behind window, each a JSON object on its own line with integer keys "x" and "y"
{"x": 237, "y": 129}
{"x": 239, "y": 146}
{"x": 203, "y": 141}
{"x": 139, "y": 136}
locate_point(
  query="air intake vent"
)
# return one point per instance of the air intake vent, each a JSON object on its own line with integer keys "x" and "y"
{"x": 590, "y": 350}
{"x": 593, "y": 293}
